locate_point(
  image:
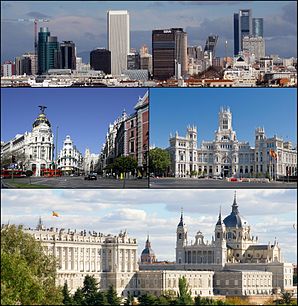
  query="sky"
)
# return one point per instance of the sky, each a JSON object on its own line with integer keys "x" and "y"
{"x": 174, "y": 109}
{"x": 84, "y": 22}
{"x": 270, "y": 213}
{"x": 84, "y": 114}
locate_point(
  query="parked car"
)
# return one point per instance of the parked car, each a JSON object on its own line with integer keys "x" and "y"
{"x": 91, "y": 176}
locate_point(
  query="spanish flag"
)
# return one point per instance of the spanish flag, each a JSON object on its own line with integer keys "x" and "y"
{"x": 273, "y": 154}
{"x": 55, "y": 214}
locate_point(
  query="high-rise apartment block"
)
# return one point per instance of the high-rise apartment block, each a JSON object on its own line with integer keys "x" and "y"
{"x": 118, "y": 40}
{"x": 255, "y": 45}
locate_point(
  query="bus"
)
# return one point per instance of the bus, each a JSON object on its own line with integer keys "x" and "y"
{"x": 7, "y": 173}
{"x": 50, "y": 172}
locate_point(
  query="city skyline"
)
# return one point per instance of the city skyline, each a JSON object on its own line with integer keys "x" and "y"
{"x": 94, "y": 118}
{"x": 73, "y": 23}
{"x": 270, "y": 213}
{"x": 201, "y": 107}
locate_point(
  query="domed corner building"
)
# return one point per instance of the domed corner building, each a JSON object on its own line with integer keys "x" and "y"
{"x": 40, "y": 144}
{"x": 33, "y": 150}
{"x": 148, "y": 255}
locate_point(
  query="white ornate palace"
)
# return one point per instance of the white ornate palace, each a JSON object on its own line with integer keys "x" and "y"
{"x": 226, "y": 156}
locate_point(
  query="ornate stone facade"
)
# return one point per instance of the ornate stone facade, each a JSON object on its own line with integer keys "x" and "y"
{"x": 33, "y": 150}
{"x": 70, "y": 160}
{"x": 226, "y": 156}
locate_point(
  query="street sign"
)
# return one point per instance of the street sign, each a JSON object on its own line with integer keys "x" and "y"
{"x": 12, "y": 166}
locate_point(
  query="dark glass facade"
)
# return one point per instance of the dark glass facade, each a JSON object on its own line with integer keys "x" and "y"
{"x": 68, "y": 55}
{"x": 242, "y": 28}
{"x": 53, "y": 55}
{"x": 167, "y": 46}
{"x": 100, "y": 59}
{"x": 133, "y": 61}
{"x": 42, "y": 49}
{"x": 211, "y": 44}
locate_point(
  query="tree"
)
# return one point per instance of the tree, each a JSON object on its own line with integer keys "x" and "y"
{"x": 147, "y": 300}
{"x": 159, "y": 161}
{"x": 78, "y": 297}
{"x": 286, "y": 297}
{"x": 27, "y": 273}
{"x": 112, "y": 297}
{"x": 184, "y": 295}
{"x": 90, "y": 290}
{"x": 124, "y": 164}
{"x": 67, "y": 299}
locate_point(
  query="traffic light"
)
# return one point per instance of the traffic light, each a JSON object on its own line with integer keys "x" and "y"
{"x": 13, "y": 159}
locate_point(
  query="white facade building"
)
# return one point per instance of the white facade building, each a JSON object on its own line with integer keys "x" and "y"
{"x": 118, "y": 40}
{"x": 226, "y": 156}
{"x": 70, "y": 160}
{"x": 90, "y": 161}
{"x": 33, "y": 150}
{"x": 112, "y": 260}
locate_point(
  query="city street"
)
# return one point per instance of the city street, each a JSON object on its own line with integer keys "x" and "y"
{"x": 72, "y": 182}
{"x": 215, "y": 184}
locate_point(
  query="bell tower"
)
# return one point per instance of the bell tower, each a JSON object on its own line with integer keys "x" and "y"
{"x": 181, "y": 241}
{"x": 220, "y": 242}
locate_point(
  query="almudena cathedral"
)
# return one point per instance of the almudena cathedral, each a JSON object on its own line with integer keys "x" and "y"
{"x": 232, "y": 263}
{"x": 226, "y": 156}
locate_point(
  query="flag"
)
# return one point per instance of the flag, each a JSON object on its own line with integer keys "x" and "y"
{"x": 55, "y": 214}
{"x": 273, "y": 154}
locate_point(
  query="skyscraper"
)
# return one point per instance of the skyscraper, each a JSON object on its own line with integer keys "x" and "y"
{"x": 257, "y": 27}
{"x": 133, "y": 60}
{"x": 242, "y": 27}
{"x": 68, "y": 55}
{"x": 118, "y": 39}
{"x": 100, "y": 59}
{"x": 210, "y": 46}
{"x": 48, "y": 51}
{"x": 53, "y": 54}
{"x": 42, "y": 49}
{"x": 169, "y": 47}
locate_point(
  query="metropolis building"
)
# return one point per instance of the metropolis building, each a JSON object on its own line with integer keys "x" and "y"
{"x": 33, "y": 150}
{"x": 226, "y": 156}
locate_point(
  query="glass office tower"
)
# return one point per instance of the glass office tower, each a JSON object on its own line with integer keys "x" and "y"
{"x": 242, "y": 28}
{"x": 257, "y": 27}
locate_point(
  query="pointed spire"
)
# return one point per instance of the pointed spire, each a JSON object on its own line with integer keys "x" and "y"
{"x": 39, "y": 225}
{"x": 181, "y": 218}
{"x": 219, "y": 222}
{"x": 235, "y": 206}
{"x": 148, "y": 244}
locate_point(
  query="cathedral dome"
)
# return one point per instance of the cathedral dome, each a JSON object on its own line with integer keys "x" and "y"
{"x": 148, "y": 255}
{"x": 41, "y": 118}
{"x": 234, "y": 219}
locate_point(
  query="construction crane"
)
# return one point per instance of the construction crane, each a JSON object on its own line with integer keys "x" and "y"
{"x": 35, "y": 21}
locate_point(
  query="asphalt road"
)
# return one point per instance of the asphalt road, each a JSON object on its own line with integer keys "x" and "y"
{"x": 78, "y": 182}
{"x": 215, "y": 184}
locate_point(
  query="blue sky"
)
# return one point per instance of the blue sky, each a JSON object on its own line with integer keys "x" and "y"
{"x": 84, "y": 22}
{"x": 172, "y": 110}
{"x": 270, "y": 213}
{"x": 84, "y": 114}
